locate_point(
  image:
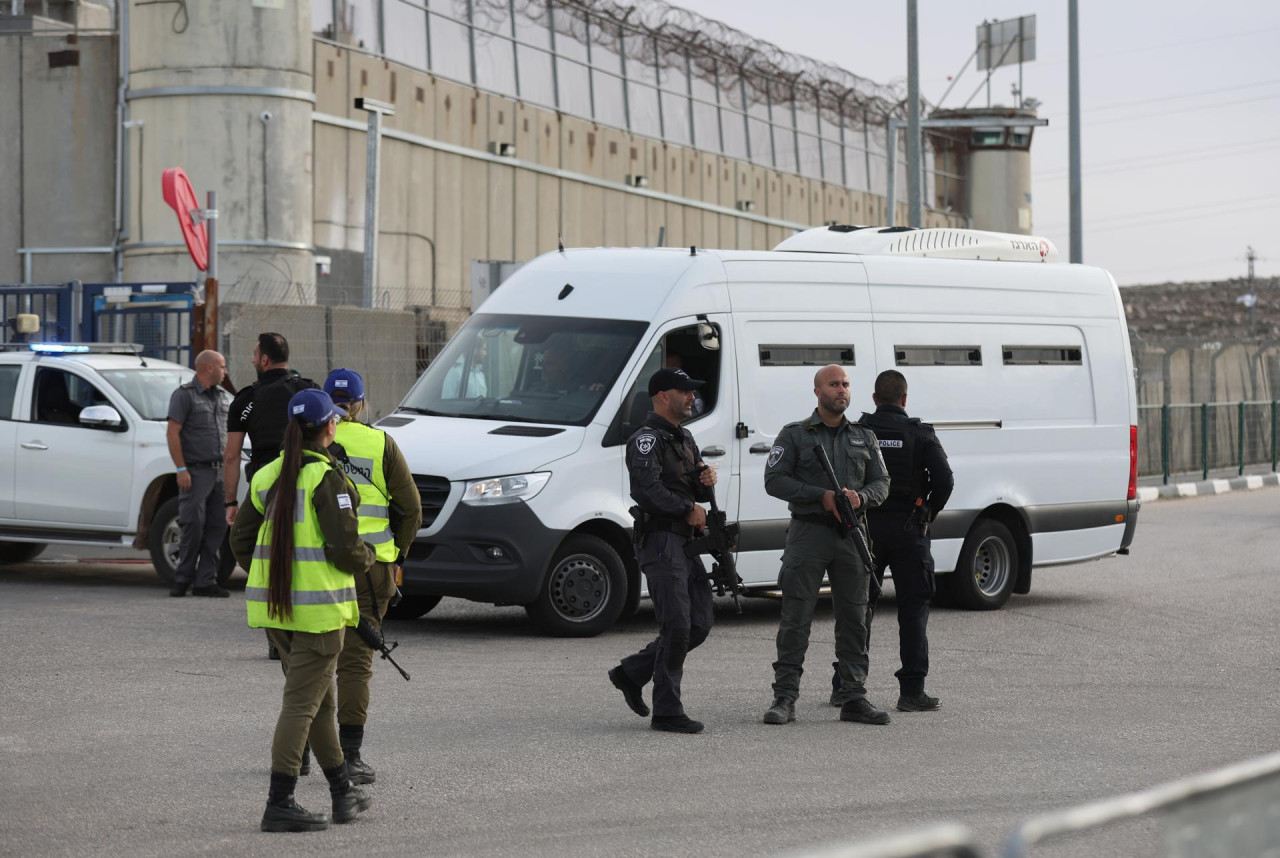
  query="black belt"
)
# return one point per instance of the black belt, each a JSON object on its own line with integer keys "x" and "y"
{"x": 823, "y": 518}
{"x": 216, "y": 464}
{"x": 674, "y": 525}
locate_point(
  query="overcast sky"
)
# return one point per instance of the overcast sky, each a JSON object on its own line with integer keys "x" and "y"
{"x": 1180, "y": 114}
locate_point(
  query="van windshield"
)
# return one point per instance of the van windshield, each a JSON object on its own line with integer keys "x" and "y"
{"x": 539, "y": 369}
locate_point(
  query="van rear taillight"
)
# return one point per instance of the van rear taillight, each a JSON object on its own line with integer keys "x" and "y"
{"x": 1133, "y": 462}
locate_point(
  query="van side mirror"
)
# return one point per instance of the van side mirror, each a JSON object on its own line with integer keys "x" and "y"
{"x": 708, "y": 338}
{"x": 101, "y": 417}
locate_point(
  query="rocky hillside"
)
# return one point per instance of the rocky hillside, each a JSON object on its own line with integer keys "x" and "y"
{"x": 1202, "y": 311}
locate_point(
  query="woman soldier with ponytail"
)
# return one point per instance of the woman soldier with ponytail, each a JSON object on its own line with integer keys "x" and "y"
{"x": 299, "y": 538}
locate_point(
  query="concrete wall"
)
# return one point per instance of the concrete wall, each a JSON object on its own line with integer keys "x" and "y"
{"x": 57, "y": 171}
{"x": 440, "y": 210}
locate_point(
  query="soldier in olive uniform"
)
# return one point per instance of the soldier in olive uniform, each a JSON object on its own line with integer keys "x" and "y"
{"x": 814, "y": 547}
{"x": 664, "y": 463}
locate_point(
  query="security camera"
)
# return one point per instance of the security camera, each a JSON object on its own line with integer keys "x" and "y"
{"x": 265, "y": 116}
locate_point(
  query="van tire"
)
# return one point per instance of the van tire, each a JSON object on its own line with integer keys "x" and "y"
{"x": 163, "y": 539}
{"x": 581, "y": 562}
{"x": 412, "y": 607}
{"x": 987, "y": 568}
{"x": 20, "y": 552}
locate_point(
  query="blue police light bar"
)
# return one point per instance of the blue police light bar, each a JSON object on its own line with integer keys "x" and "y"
{"x": 59, "y": 348}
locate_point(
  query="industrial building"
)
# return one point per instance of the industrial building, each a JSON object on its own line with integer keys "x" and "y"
{"x": 517, "y": 124}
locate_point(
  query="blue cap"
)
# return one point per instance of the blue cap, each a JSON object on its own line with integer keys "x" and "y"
{"x": 312, "y": 408}
{"x": 344, "y": 384}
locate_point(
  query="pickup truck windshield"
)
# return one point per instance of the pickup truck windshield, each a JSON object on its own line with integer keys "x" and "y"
{"x": 148, "y": 390}
{"x": 539, "y": 369}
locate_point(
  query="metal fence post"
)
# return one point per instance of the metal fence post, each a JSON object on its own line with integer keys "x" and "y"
{"x": 1240, "y": 437}
{"x": 1204, "y": 440}
{"x": 1164, "y": 441}
{"x": 1274, "y": 448}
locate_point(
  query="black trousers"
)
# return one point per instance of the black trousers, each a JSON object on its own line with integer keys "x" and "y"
{"x": 685, "y": 611}
{"x": 902, "y": 545}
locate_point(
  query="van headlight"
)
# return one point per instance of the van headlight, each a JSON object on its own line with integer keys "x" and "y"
{"x": 496, "y": 490}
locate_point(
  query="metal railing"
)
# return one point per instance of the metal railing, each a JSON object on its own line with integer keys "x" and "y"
{"x": 1231, "y": 811}
{"x": 1184, "y": 438}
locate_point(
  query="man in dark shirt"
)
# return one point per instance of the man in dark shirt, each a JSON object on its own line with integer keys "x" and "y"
{"x": 920, "y": 485}
{"x": 196, "y": 431}
{"x": 260, "y": 411}
{"x": 663, "y": 462}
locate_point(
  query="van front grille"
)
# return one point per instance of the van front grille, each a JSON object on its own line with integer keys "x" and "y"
{"x": 434, "y": 492}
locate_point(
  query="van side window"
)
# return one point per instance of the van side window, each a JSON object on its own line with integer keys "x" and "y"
{"x": 679, "y": 349}
{"x": 60, "y": 396}
{"x": 1042, "y": 355}
{"x": 937, "y": 355}
{"x": 8, "y": 390}
{"x": 807, "y": 355}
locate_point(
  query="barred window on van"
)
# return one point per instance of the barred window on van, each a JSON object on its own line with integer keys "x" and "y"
{"x": 937, "y": 355}
{"x": 1042, "y": 356}
{"x": 806, "y": 355}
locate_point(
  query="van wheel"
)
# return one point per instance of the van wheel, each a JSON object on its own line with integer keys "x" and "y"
{"x": 585, "y": 589}
{"x": 19, "y": 552}
{"x": 987, "y": 569}
{"x": 164, "y": 539}
{"x": 412, "y": 607}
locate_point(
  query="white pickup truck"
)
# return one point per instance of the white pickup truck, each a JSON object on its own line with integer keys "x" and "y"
{"x": 83, "y": 455}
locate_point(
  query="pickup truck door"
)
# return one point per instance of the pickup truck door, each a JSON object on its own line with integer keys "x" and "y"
{"x": 68, "y": 474}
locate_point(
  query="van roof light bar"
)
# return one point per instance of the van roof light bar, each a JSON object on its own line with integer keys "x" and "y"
{"x": 48, "y": 348}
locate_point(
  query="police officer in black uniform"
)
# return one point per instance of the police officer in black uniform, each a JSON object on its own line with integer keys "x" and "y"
{"x": 667, "y": 485}
{"x": 920, "y": 484}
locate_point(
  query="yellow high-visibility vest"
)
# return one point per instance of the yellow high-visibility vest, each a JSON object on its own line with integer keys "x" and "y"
{"x": 323, "y": 596}
{"x": 365, "y": 448}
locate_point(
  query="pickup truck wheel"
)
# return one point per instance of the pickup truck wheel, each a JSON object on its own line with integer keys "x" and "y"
{"x": 412, "y": 607}
{"x": 163, "y": 540}
{"x": 19, "y": 552}
{"x": 987, "y": 569}
{"x": 585, "y": 589}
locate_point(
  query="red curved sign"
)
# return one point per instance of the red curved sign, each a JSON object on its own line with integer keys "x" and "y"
{"x": 181, "y": 197}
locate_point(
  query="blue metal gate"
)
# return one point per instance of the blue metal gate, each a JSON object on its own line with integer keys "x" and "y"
{"x": 52, "y": 302}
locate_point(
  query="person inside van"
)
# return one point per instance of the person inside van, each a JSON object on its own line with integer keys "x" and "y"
{"x": 561, "y": 368}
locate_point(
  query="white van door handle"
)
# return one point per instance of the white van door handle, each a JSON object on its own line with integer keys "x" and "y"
{"x": 760, "y": 448}
{"x": 713, "y": 451}
{"x": 35, "y": 445}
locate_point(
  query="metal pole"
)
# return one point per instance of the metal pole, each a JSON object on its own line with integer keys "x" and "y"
{"x": 1204, "y": 436}
{"x": 373, "y": 150}
{"x": 913, "y": 118}
{"x": 893, "y": 164}
{"x": 1073, "y": 98}
{"x": 210, "y": 338}
{"x": 1164, "y": 441}
{"x": 1275, "y": 449}
{"x": 1240, "y": 438}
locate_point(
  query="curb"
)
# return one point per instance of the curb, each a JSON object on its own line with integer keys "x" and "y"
{"x": 1207, "y": 487}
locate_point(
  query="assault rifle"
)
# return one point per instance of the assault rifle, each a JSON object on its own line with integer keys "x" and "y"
{"x": 373, "y": 638}
{"x": 850, "y": 522}
{"x": 719, "y": 540}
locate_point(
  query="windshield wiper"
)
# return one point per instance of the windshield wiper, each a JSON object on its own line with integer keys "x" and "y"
{"x": 417, "y": 410}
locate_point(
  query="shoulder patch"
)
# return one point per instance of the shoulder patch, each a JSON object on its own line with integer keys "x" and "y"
{"x": 645, "y": 442}
{"x": 344, "y": 501}
{"x": 775, "y": 454}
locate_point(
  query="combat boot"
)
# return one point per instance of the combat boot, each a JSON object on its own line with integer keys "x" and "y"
{"x": 351, "y": 737}
{"x": 917, "y": 703}
{"x": 632, "y": 693}
{"x": 783, "y": 711}
{"x": 348, "y": 799}
{"x": 284, "y": 814}
{"x": 862, "y": 711}
{"x": 675, "y": 724}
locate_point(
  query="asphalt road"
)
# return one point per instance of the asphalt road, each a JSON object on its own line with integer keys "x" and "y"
{"x": 132, "y": 723}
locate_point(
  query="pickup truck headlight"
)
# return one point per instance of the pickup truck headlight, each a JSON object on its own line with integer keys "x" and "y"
{"x": 496, "y": 490}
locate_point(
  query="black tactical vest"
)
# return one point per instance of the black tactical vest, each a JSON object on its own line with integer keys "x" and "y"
{"x": 678, "y": 455}
{"x": 270, "y": 416}
{"x": 901, "y": 444}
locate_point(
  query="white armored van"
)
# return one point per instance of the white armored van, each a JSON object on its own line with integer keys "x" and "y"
{"x": 515, "y": 433}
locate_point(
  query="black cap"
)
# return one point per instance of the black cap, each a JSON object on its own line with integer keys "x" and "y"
{"x": 672, "y": 379}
